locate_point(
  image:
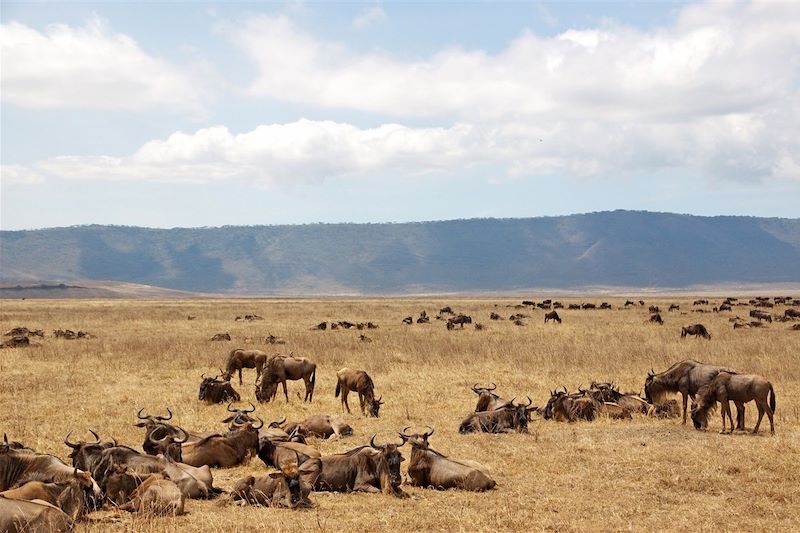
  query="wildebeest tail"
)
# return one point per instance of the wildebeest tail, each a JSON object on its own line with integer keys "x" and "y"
{"x": 338, "y": 388}
{"x": 314, "y": 377}
{"x": 771, "y": 398}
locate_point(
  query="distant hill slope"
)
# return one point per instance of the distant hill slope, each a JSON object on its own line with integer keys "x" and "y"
{"x": 620, "y": 248}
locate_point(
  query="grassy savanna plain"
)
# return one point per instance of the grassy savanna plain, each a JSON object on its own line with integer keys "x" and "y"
{"x": 607, "y": 475}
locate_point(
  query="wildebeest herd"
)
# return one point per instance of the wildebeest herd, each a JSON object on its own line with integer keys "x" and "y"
{"x": 176, "y": 464}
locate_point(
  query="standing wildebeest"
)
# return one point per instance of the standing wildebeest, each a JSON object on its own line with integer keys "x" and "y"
{"x": 791, "y": 313}
{"x": 372, "y": 468}
{"x": 728, "y": 387}
{"x": 552, "y": 315}
{"x": 459, "y": 320}
{"x": 488, "y": 400}
{"x": 674, "y": 307}
{"x": 277, "y": 489}
{"x": 685, "y": 377}
{"x": 216, "y": 390}
{"x": 504, "y": 419}
{"x": 653, "y": 309}
{"x": 656, "y": 319}
{"x": 761, "y": 315}
{"x": 281, "y": 368}
{"x": 698, "y": 330}
{"x": 360, "y": 382}
{"x": 239, "y": 359}
{"x": 429, "y": 468}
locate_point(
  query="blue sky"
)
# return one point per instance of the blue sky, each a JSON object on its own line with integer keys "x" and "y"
{"x": 202, "y": 114}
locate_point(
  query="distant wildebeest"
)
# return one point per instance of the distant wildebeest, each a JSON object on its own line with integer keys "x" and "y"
{"x": 494, "y": 316}
{"x": 364, "y": 338}
{"x": 740, "y": 325}
{"x": 459, "y": 320}
{"x": 372, "y": 468}
{"x": 700, "y": 302}
{"x": 791, "y": 313}
{"x": 574, "y": 306}
{"x": 739, "y": 389}
{"x": 276, "y": 489}
{"x": 429, "y": 468}
{"x": 25, "y": 332}
{"x": 725, "y": 307}
{"x": 239, "y": 359}
{"x": 674, "y": 307}
{"x": 518, "y": 316}
{"x": 504, "y": 419}
{"x": 487, "y": 399}
{"x": 272, "y": 339}
{"x": 217, "y": 390}
{"x": 629, "y": 302}
{"x": 698, "y": 330}
{"x": 656, "y": 319}
{"x": 761, "y": 315}
{"x": 360, "y": 382}
{"x": 20, "y": 341}
{"x": 685, "y": 377}
{"x": 282, "y": 368}
{"x": 322, "y": 326}
{"x": 446, "y": 310}
{"x": 605, "y": 305}
{"x": 221, "y": 337}
{"x": 653, "y": 309}
{"x": 321, "y": 426}
{"x": 552, "y": 315}
{"x": 408, "y": 320}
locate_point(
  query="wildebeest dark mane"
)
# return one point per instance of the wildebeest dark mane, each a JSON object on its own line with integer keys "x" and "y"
{"x": 354, "y": 451}
{"x": 706, "y": 404}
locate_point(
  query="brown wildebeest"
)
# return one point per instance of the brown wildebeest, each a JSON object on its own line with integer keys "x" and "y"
{"x": 700, "y": 302}
{"x": 281, "y": 368}
{"x": 276, "y": 489}
{"x": 505, "y": 419}
{"x": 429, "y": 468}
{"x": 322, "y": 326}
{"x": 216, "y": 390}
{"x": 37, "y": 515}
{"x": 685, "y": 377}
{"x": 18, "y": 466}
{"x": 280, "y": 453}
{"x": 495, "y": 316}
{"x": 239, "y": 359}
{"x": 221, "y": 337}
{"x": 668, "y": 409}
{"x": 321, "y": 426}
{"x": 588, "y": 306}
{"x": 656, "y": 319}
{"x": 565, "y": 407}
{"x": 698, "y": 330}
{"x": 360, "y": 382}
{"x": 223, "y": 451}
{"x": 373, "y": 468}
{"x": 70, "y": 496}
{"x": 20, "y": 341}
{"x": 574, "y": 306}
{"x": 158, "y": 496}
{"x": 674, "y": 307}
{"x": 761, "y": 315}
{"x": 739, "y": 389}
{"x": 459, "y": 320}
{"x": 791, "y": 313}
{"x": 487, "y": 399}
{"x": 552, "y": 315}
{"x": 653, "y": 309}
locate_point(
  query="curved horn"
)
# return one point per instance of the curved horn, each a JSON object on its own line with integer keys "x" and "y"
{"x": 5, "y": 438}
{"x": 651, "y": 373}
{"x": 475, "y": 389}
{"x": 372, "y": 443}
{"x": 252, "y": 408}
{"x": 96, "y": 437}
{"x": 68, "y": 443}
{"x": 232, "y": 410}
{"x": 261, "y": 425}
{"x": 403, "y": 433}
{"x": 529, "y": 401}
{"x": 139, "y": 415}
{"x": 162, "y": 418}
{"x": 278, "y": 423}
{"x": 380, "y": 399}
{"x": 428, "y": 433}
{"x": 493, "y": 387}
{"x": 185, "y": 436}
{"x": 166, "y": 436}
{"x": 203, "y": 375}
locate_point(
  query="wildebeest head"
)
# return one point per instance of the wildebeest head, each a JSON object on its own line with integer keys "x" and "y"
{"x": 418, "y": 440}
{"x": 84, "y": 454}
{"x": 170, "y": 443}
{"x": 13, "y": 445}
{"x": 375, "y": 406}
{"x": 555, "y": 395}
{"x": 239, "y": 417}
{"x": 149, "y": 421}
{"x": 521, "y": 414}
{"x": 391, "y": 453}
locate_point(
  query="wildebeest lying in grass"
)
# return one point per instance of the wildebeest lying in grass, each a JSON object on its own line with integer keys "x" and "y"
{"x": 277, "y": 489}
{"x": 504, "y": 419}
{"x": 739, "y": 389}
{"x": 217, "y": 390}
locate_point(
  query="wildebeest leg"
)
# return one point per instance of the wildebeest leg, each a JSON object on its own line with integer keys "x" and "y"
{"x": 760, "y": 404}
{"x": 726, "y": 410}
{"x": 345, "y": 393}
{"x": 739, "y": 415}
{"x": 685, "y": 401}
{"x": 240, "y": 375}
{"x": 361, "y": 400}
{"x": 285, "y": 392}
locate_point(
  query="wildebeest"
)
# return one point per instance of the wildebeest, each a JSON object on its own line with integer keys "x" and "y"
{"x": 408, "y": 320}
{"x": 360, "y": 382}
{"x": 552, "y": 315}
{"x": 321, "y": 426}
{"x": 24, "y": 332}
{"x": 698, "y": 330}
{"x": 20, "y": 516}
{"x": 371, "y": 468}
{"x": 656, "y": 319}
{"x": 322, "y": 326}
{"x": 217, "y": 390}
{"x": 459, "y": 320}
{"x": 20, "y": 341}
{"x": 565, "y": 407}
{"x": 727, "y": 387}
{"x": 653, "y": 309}
{"x": 791, "y": 313}
{"x": 156, "y": 426}
{"x": 487, "y": 399}
{"x": 239, "y": 359}
{"x": 494, "y": 316}
{"x": 588, "y": 306}
{"x": 685, "y": 377}
{"x": 700, "y": 302}
{"x": 100, "y": 458}
{"x": 157, "y": 495}
{"x": 70, "y": 496}
{"x": 223, "y": 451}
{"x": 574, "y": 306}
{"x": 279, "y": 453}
{"x": 504, "y": 419}
{"x": 277, "y": 489}
{"x": 281, "y": 368}
{"x": 761, "y": 315}
{"x": 429, "y": 468}
{"x": 668, "y": 409}
{"x": 221, "y": 337}
{"x": 674, "y": 307}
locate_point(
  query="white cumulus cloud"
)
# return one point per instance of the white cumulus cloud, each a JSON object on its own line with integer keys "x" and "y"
{"x": 91, "y": 67}
{"x": 369, "y": 16}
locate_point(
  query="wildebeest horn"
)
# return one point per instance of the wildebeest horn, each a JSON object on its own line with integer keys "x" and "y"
{"x": 68, "y": 443}
{"x": 252, "y": 408}
{"x": 277, "y": 423}
{"x": 203, "y": 375}
{"x": 428, "y": 433}
{"x": 403, "y": 433}
{"x": 165, "y": 417}
{"x": 139, "y": 415}
{"x": 260, "y": 425}
{"x": 475, "y": 389}
{"x": 185, "y": 436}
{"x": 96, "y": 437}
{"x": 372, "y": 443}
{"x": 493, "y": 387}
{"x": 232, "y": 410}
{"x": 529, "y": 401}
{"x": 379, "y": 399}
{"x": 651, "y": 373}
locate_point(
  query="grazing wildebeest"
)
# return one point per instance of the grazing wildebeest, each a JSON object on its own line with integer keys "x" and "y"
{"x": 223, "y": 451}
{"x": 217, "y": 390}
{"x": 505, "y": 419}
{"x": 761, "y": 315}
{"x": 429, "y": 468}
{"x": 239, "y": 359}
{"x": 656, "y": 319}
{"x": 487, "y": 399}
{"x": 360, "y": 382}
{"x": 371, "y": 468}
{"x": 277, "y": 489}
{"x": 157, "y": 495}
{"x": 685, "y": 377}
{"x": 588, "y": 306}
{"x": 739, "y": 389}
{"x": 700, "y": 302}
{"x": 446, "y": 310}
{"x": 459, "y": 320}
{"x": 698, "y": 330}
{"x": 494, "y": 316}
{"x": 552, "y": 315}
{"x": 281, "y": 368}
{"x": 20, "y": 516}
{"x": 321, "y": 426}
{"x": 674, "y": 307}
{"x": 653, "y": 309}
{"x": 791, "y": 313}
{"x": 71, "y": 496}
{"x": 574, "y": 306}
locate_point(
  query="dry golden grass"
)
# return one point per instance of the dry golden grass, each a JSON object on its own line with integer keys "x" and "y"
{"x": 643, "y": 475}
